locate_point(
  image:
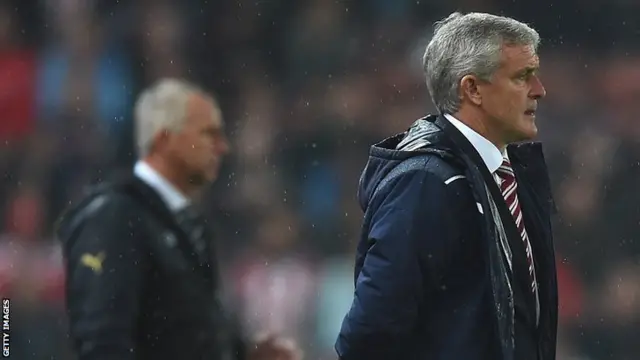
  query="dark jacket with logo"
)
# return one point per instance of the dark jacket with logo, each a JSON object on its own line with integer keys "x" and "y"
{"x": 135, "y": 287}
{"x": 432, "y": 278}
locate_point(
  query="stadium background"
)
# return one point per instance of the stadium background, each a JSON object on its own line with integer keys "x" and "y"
{"x": 306, "y": 86}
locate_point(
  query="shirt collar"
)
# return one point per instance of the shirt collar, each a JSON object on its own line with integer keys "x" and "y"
{"x": 490, "y": 154}
{"x": 174, "y": 199}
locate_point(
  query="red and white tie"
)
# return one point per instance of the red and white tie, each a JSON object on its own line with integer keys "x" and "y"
{"x": 509, "y": 187}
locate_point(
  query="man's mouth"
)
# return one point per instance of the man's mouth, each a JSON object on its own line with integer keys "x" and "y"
{"x": 530, "y": 112}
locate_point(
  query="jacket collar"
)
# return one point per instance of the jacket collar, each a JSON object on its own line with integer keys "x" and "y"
{"x": 428, "y": 132}
{"x": 172, "y": 197}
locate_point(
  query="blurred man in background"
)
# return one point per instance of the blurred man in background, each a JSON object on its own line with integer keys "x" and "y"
{"x": 456, "y": 258}
{"x": 142, "y": 276}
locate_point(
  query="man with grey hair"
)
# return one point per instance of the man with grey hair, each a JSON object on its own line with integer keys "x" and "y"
{"x": 456, "y": 256}
{"x": 142, "y": 277}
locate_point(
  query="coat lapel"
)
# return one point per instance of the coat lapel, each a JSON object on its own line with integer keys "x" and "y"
{"x": 154, "y": 203}
{"x": 534, "y": 193}
{"x": 520, "y": 268}
{"x": 476, "y": 165}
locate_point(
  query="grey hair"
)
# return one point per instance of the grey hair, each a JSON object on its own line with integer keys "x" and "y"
{"x": 469, "y": 44}
{"x": 162, "y": 107}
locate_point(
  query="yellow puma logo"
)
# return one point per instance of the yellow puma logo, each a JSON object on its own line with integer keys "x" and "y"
{"x": 93, "y": 262}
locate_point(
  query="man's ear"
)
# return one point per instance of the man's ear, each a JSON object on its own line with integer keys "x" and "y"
{"x": 469, "y": 89}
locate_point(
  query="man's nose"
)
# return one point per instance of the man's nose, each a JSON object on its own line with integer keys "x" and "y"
{"x": 537, "y": 89}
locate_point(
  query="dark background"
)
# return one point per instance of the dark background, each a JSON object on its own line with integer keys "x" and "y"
{"x": 306, "y": 86}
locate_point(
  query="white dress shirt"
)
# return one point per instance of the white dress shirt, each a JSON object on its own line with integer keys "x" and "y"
{"x": 174, "y": 199}
{"x": 490, "y": 154}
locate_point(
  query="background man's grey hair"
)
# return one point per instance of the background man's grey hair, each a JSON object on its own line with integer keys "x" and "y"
{"x": 469, "y": 44}
{"x": 162, "y": 107}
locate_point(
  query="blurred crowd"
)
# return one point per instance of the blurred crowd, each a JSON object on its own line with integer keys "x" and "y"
{"x": 306, "y": 86}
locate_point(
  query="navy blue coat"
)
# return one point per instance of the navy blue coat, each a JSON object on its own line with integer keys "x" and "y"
{"x": 431, "y": 281}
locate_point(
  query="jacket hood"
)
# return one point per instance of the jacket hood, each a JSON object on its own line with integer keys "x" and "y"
{"x": 422, "y": 137}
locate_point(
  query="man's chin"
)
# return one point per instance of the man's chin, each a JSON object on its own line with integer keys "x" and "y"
{"x": 525, "y": 134}
{"x": 531, "y": 134}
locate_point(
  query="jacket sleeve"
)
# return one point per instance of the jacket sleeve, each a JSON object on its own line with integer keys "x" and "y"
{"x": 408, "y": 233}
{"x": 105, "y": 266}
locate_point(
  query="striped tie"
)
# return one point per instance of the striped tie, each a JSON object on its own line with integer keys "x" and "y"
{"x": 509, "y": 188}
